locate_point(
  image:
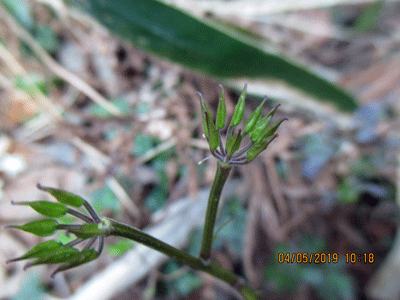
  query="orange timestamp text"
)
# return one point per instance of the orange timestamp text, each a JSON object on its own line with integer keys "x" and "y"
{"x": 323, "y": 258}
{"x": 308, "y": 258}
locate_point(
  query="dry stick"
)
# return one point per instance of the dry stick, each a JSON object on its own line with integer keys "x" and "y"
{"x": 58, "y": 69}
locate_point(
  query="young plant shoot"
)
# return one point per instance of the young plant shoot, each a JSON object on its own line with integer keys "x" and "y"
{"x": 226, "y": 149}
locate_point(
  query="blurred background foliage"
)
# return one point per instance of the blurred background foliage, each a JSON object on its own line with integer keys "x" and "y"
{"x": 111, "y": 112}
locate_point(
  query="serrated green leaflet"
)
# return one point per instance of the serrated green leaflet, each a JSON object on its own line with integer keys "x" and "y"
{"x": 46, "y": 208}
{"x": 239, "y": 109}
{"x": 221, "y": 111}
{"x": 39, "y": 250}
{"x": 63, "y": 196}
{"x": 208, "y": 47}
{"x": 40, "y": 228}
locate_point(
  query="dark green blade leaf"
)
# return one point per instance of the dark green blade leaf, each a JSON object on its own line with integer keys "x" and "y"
{"x": 40, "y": 249}
{"x": 40, "y": 228}
{"x": 63, "y": 196}
{"x": 46, "y": 208}
{"x": 221, "y": 111}
{"x": 61, "y": 255}
{"x": 239, "y": 109}
{"x": 78, "y": 259}
{"x": 206, "y": 46}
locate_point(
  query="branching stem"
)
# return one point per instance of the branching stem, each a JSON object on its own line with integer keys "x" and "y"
{"x": 126, "y": 231}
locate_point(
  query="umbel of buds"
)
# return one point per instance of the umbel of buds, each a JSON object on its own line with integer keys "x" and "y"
{"x": 54, "y": 252}
{"x": 258, "y": 128}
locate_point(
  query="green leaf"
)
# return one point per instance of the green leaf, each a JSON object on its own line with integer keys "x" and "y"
{"x": 120, "y": 247}
{"x": 77, "y": 259}
{"x": 31, "y": 84}
{"x": 60, "y": 255}
{"x": 221, "y": 112}
{"x": 254, "y": 117}
{"x": 46, "y": 208}
{"x": 39, "y": 250}
{"x": 239, "y": 109}
{"x": 44, "y": 227}
{"x": 63, "y": 196}
{"x": 213, "y": 135}
{"x": 210, "y": 48}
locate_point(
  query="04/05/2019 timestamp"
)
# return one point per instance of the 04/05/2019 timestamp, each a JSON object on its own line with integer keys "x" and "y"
{"x": 323, "y": 258}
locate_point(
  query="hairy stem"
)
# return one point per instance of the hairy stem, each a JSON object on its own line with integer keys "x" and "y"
{"x": 220, "y": 178}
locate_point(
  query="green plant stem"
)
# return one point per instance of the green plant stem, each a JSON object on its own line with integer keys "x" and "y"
{"x": 212, "y": 207}
{"x": 212, "y": 268}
